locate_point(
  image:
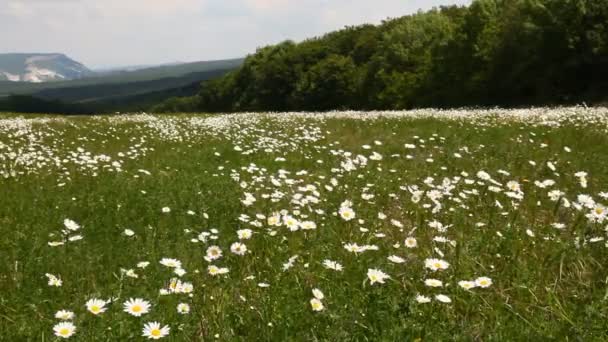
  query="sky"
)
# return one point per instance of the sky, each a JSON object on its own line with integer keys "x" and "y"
{"x": 108, "y": 33}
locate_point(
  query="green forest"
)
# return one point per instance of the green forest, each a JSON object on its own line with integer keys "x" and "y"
{"x": 492, "y": 53}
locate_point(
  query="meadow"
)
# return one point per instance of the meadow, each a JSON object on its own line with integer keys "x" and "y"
{"x": 427, "y": 225}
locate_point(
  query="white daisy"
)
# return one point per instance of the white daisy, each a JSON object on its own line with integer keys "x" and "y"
{"x": 174, "y": 263}
{"x": 238, "y": 248}
{"x": 96, "y": 306}
{"x": 316, "y": 305}
{"x": 183, "y": 308}
{"x": 136, "y": 307}
{"x": 483, "y": 282}
{"x": 376, "y": 276}
{"x": 64, "y": 315}
{"x": 64, "y": 329}
{"x": 154, "y": 331}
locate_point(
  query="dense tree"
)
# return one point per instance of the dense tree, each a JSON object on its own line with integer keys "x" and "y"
{"x": 493, "y": 52}
{"x": 330, "y": 82}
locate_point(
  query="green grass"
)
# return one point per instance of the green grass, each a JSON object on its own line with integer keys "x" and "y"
{"x": 552, "y": 286}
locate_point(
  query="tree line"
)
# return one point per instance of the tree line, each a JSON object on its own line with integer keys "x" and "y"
{"x": 491, "y": 53}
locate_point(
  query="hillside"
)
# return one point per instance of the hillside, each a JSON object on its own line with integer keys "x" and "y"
{"x": 147, "y": 74}
{"x": 120, "y": 91}
{"x": 38, "y": 68}
{"x": 492, "y": 53}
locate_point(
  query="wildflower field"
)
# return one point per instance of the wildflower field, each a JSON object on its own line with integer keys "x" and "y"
{"x": 344, "y": 226}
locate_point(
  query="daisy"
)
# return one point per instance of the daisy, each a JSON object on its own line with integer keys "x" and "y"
{"x": 64, "y": 315}
{"x": 244, "y": 234}
{"x": 436, "y": 264}
{"x": 289, "y": 264}
{"x": 71, "y": 225}
{"x": 136, "y": 307}
{"x": 483, "y": 282}
{"x": 354, "y": 248}
{"x": 316, "y": 305}
{"x": 433, "y": 283}
{"x": 483, "y": 175}
{"x": 291, "y": 223}
{"x": 64, "y": 329}
{"x": 75, "y": 238}
{"x": 214, "y": 270}
{"x": 153, "y": 330}
{"x": 467, "y": 285}
{"x": 423, "y": 299}
{"x": 274, "y": 220}
{"x": 96, "y": 306}
{"x": 318, "y": 294}
{"x": 213, "y": 253}
{"x": 174, "y": 263}
{"x": 598, "y": 214}
{"x": 332, "y": 265}
{"x": 54, "y": 280}
{"x": 143, "y": 264}
{"x": 129, "y": 232}
{"x": 376, "y": 276}
{"x": 238, "y": 248}
{"x": 129, "y": 273}
{"x": 346, "y": 213}
{"x": 443, "y": 298}
{"x": 411, "y": 242}
{"x": 184, "y": 287}
{"x": 396, "y": 259}
{"x": 183, "y": 308}
{"x": 308, "y": 225}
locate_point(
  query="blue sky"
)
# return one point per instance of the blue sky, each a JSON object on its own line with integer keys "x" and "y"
{"x": 102, "y": 33}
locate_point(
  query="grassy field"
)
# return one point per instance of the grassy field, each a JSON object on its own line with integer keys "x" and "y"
{"x": 397, "y": 226}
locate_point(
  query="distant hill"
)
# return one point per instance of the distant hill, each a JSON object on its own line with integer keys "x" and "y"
{"x": 104, "y": 71}
{"x": 38, "y": 68}
{"x": 121, "y": 77}
{"x": 117, "y": 91}
{"x": 131, "y": 96}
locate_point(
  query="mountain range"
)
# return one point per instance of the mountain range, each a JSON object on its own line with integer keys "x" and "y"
{"x": 56, "y": 83}
{"x": 40, "y": 67}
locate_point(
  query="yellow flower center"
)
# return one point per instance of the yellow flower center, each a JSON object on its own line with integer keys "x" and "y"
{"x": 599, "y": 211}
{"x": 155, "y": 332}
{"x": 136, "y": 308}
{"x": 95, "y": 308}
{"x": 64, "y": 331}
{"x": 484, "y": 282}
{"x": 373, "y": 278}
{"x": 437, "y": 265}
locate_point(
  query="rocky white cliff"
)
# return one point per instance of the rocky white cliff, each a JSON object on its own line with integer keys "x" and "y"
{"x": 21, "y": 67}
